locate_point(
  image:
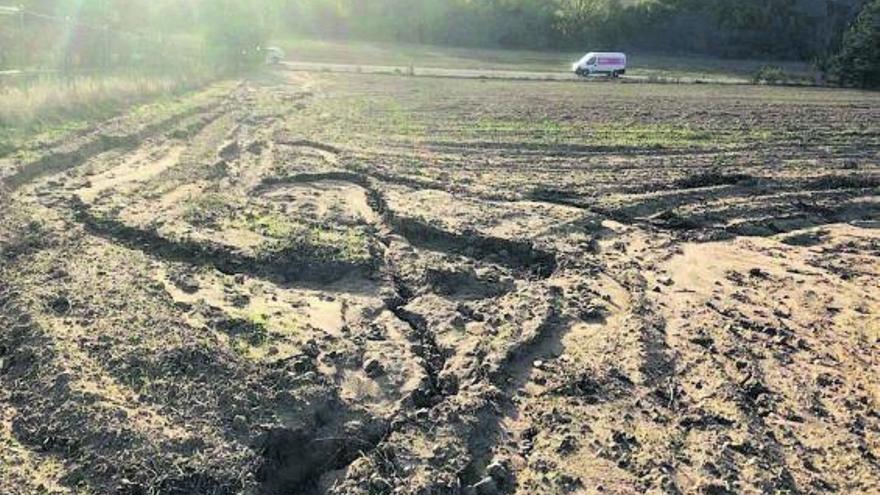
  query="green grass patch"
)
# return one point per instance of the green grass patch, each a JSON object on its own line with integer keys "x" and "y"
{"x": 273, "y": 225}
{"x": 319, "y": 242}
{"x": 657, "y": 136}
{"x": 546, "y": 126}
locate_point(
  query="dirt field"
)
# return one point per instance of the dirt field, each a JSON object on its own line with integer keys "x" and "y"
{"x": 367, "y": 284}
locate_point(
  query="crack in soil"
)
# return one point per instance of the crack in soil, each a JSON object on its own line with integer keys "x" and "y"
{"x": 425, "y": 347}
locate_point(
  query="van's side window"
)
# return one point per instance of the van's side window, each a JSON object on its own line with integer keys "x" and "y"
{"x": 591, "y": 61}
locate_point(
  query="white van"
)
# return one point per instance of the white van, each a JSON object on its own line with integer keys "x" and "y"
{"x": 605, "y": 63}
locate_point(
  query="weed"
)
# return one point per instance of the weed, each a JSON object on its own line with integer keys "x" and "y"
{"x": 209, "y": 209}
{"x": 273, "y": 225}
{"x": 318, "y": 242}
{"x": 350, "y": 244}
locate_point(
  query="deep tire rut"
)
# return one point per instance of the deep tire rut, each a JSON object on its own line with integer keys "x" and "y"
{"x": 60, "y": 161}
{"x": 285, "y": 267}
{"x": 521, "y": 256}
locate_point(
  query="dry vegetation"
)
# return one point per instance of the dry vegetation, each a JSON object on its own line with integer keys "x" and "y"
{"x": 361, "y": 284}
{"x": 55, "y": 105}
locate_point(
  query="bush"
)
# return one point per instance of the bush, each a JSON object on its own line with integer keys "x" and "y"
{"x": 769, "y": 74}
{"x": 858, "y": 61}
{"x": 235, "y": 35}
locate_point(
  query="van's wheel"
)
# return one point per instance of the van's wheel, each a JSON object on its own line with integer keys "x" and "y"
{"x": 614, "y": 74}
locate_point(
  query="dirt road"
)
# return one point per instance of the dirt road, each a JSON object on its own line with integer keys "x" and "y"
{"x": 512, "y": 75}
{"x": 362, "y": 284}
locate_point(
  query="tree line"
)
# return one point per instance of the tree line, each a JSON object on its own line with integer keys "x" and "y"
{"x": 838, "y": 35}
{"x": 786, "y": 29}
{"x": 841, "y": 37}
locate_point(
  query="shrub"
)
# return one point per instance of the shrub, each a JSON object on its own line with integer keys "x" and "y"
{"x": 235, "y": 35}
{"x": 769, "y": 74}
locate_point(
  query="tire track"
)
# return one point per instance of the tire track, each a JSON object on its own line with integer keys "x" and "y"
{"x": 286, "y": 267}
{"x": 62, "y": 160}
{"x": 522, "y": 256}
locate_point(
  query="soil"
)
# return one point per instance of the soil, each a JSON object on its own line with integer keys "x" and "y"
{"x": 368, "y": 284}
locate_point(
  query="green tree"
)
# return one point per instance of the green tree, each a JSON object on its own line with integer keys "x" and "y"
{"x": 235, "y": 33}
{"x": 858, "y": 61}
{"x": 593, "y": 22}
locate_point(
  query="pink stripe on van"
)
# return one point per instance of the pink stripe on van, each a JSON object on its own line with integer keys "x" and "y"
{"x": 610, "y": 61}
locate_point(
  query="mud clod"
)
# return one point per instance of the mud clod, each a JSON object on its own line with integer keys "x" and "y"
{"x": 373, "y": 368}
{"x": 60, "y": 305}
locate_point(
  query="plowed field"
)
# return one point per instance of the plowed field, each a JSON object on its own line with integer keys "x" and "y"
{"x": 315, "y": 283}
